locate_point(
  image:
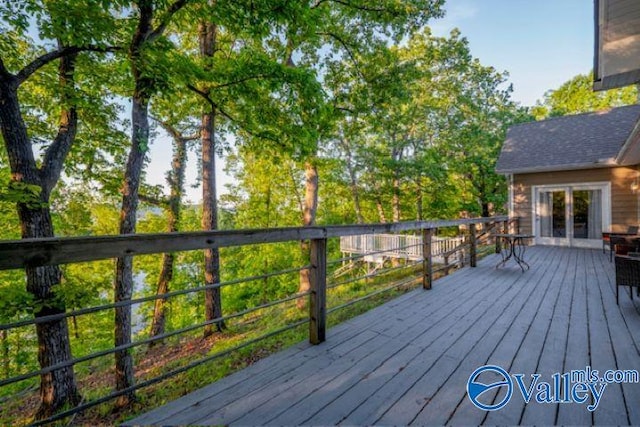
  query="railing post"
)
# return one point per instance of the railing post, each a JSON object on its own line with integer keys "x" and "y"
{"x": 500, "y": 228}
{"x": 318, "y": 295}
{"x": 473, "y": 254}
{"x": 427, "y": 258}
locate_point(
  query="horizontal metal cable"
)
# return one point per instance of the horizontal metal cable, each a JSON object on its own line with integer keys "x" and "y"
{"x": 166, "y": 375}
{"x": 145, "y": 341}
{"x": 89, "y": 310}
{"x": 445, "y": 268}
{"x": 372, "y": 294}
{"x": 375, "y": 274}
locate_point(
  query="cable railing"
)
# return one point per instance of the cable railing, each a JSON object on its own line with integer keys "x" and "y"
{"x": 404, "y": 255}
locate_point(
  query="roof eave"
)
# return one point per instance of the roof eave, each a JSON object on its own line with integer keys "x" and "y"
{"x": 608, "y": 163}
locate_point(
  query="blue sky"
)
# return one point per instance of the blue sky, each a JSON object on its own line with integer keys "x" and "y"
{"x": 541, "y": 43}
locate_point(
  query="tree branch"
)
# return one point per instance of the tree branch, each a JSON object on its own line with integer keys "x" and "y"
{"x": 173, "y": 131}
{"x": 317, "y": 4}
{"x": 162, "y": 203}
{"x": 166, "y": 18}
{"x": 358, "y": 7}
{"x": 213, "y": 104}
{"x": 56, "y": 153}
{"x": 203, "y": 94}
{"x": 6, "y": 75}
{"x": 345, "y": 109}
{"x": 235, "y": 82}
{"x": 346, "y": 47}
{"x": 43, "y": 60}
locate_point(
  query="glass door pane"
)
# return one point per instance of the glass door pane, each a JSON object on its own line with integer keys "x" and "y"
{"x": 587, "y": 214}
{"x": 553, "y": 220}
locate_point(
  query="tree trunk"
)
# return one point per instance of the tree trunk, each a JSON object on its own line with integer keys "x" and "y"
{"x": 485, "y": 209}
{"x": 159, "y": 313}
{"x": 380, "y": 209}
{"x": 124, "y": 266}
{"x": 419, "y": 204}
{"x": 207, "y": 33}
{"x": 308, "y": 219}
{"x": 396, "y": 198}
{"x": 353, "y": 183}
{"x": 59, "y": 387}
{"x": 176, "y": 184}
{"x": 396, "y": 156}
{"x": 310, "y": 193}
{"x": 143, "y": 89}
{"x": 355, "y": 194}
{"x": 212, "y": 297}
{"x": 395, "y": 262}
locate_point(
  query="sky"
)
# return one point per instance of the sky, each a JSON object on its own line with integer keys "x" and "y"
{"x": 540, "y": 43}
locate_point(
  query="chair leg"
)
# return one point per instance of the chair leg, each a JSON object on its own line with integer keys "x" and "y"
{"x": 617, "y": 295}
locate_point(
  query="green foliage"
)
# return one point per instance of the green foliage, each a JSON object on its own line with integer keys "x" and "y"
{"x": 16, "y": 301}
{"x": 577, "y": 96}
{"x": 21, "y": 192}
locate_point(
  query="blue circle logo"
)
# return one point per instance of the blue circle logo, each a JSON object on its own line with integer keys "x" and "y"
{"x": 475, "y": 388}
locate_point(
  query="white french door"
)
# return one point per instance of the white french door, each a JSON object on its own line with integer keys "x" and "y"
{"x": 572, "y": 215}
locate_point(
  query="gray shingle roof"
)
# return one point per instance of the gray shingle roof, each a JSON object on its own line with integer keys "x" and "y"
{"x": 568, "y": 142}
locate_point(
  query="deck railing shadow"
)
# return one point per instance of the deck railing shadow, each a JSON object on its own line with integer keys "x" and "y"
{"x": 415, "y": 257}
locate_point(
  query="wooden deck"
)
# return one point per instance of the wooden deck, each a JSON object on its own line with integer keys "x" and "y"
{"x": 408, "y": 362}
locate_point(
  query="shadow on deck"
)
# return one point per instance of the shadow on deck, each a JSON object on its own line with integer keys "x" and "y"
{"x": 408, "y": 361}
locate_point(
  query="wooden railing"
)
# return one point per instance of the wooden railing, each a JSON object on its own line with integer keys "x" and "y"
{"x": 19, "y": 254}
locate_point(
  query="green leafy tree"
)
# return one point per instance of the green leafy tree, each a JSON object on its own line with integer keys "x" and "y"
{"x": 345, "y": 31}
{"x": 393, "y": 133}
{"x": 577, "y": 96}
{"x": 66, "y": 31}
{"x": 483, "y": 113}
{"x": 147, "y": 50}
{"x": 181, "y": 136}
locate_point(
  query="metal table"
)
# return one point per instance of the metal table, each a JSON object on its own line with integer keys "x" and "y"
{"x": 514, "y": 249}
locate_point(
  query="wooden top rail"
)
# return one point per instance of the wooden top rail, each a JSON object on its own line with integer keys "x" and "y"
{"x": 16, "y": 254}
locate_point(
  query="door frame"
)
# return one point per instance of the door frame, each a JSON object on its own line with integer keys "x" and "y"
{"x": 568, "y": 188}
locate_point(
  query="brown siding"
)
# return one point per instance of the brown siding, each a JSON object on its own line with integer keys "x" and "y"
{"x": 624, "y": 202}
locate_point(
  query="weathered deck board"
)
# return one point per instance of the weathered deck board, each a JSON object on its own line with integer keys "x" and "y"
{"x": 520, "y": 352}
{"x": 408, "y": 362}
{"x": 511, "y": 330}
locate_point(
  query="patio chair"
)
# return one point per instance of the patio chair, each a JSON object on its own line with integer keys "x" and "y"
{"x": 606, "y": 238}
{"x": 624, "y": 248}
{"x": 620, "y": 245}
{"x": 627, "y": 274}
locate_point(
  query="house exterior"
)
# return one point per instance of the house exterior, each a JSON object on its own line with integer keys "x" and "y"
{"x": 573, "y": 177}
